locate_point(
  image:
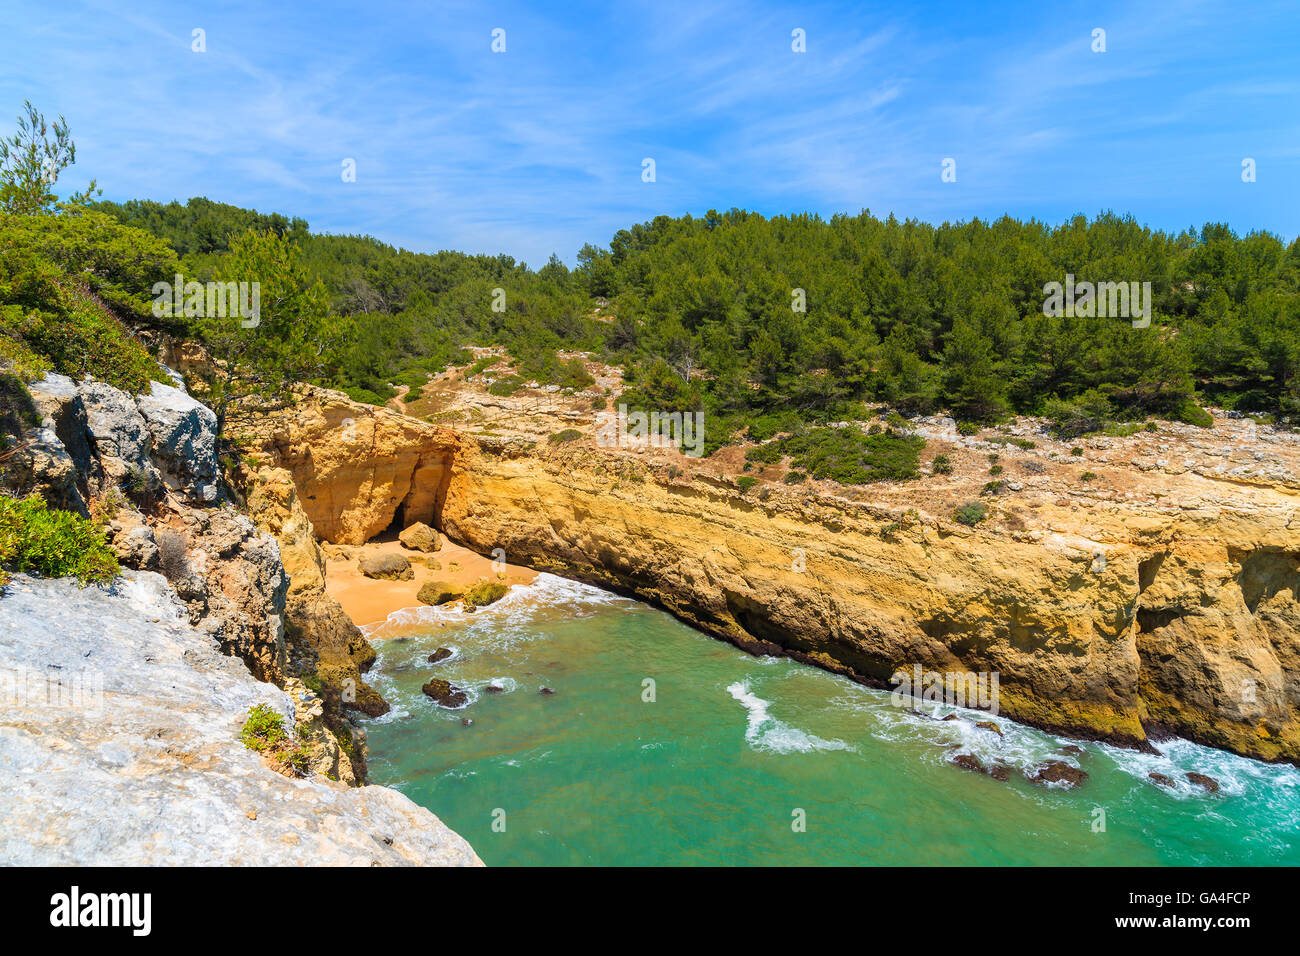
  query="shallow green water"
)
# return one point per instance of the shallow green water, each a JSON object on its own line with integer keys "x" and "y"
{"x": 713, "y": 770}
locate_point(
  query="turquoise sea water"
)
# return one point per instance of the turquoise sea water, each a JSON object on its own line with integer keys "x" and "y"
{"x": 715, "y": 769}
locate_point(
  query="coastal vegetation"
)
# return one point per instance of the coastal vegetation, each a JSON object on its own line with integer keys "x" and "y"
{"x": 775, "y": 328}
{"x": 699, "y": 313}
{"x": 38, "y": 539}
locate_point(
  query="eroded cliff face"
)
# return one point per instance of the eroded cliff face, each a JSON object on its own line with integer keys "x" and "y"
{"x": 322, "y": 639}
{"x": 147, "y": 467}
{"x": 1111, "y": 615}
{"x": 358, "y": 468}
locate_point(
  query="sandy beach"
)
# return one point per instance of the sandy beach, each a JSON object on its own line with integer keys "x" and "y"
{"x": 369, "y": 600}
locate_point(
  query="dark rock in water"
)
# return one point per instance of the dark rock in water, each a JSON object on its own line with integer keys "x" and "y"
{"x": 1072, "y": 749}
{"x": 950, "y": 717}
{"x": 1161, "y": 779}
{"x": 466, "y": 722}
{"x": 493, "y": 689}
{"x": 441, "y": 654}
{"x": 968, "y": 762}
{"x": 444, "y": 693}
{"x": 1000, "y": 771}
{"x": 546, "y": 691}
{"x": 1059, "y": 772}
{"x": 989, "y": 725}
{"x": 1201, "y": 780}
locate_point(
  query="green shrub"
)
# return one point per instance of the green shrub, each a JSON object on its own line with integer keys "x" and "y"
{"x": 415, "y": 379}
{"x": 967, "y": 428}
{"x": 995, "y": 470}
{"x": 263, "y": 729}
{"x": 507, "y": 386}
{"x": 1090, "y": 411}
{"x": 793, "y": 477}
{"x": 768, "y": 454}
{"x": 296, "y": 758}
{"x": 37, "y": 539}
{"x": 848, "y": 456}
{"x": 745, "y": 482}
{"x": 992, "y": 488}
{"x": 569, "y": 434}
{"x": 971, "y": 513}
{"x": 941, "y": 465}
{"x": 364, "y": 395}
{"x": 1192, "y": 414}
{"x": 1088, "y": 476}
{"x": 1076, "y": 451}
{"x": 1122, "y": 429}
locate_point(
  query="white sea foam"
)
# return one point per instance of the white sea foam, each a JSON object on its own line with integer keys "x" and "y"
{"x": 521, "y": 605}
{"x": 1235, "y": 775}
{"x": 765, "y": 732}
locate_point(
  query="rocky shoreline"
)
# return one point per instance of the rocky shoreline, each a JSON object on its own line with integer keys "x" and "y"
{"x": 227, "y": 585}
{"x": 1145, "y": 603}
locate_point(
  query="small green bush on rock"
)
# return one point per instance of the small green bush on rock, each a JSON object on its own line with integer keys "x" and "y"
{"x": 263, "y": 729}
{"x": 37, "y": 539}
{"x": 971, "y": 513}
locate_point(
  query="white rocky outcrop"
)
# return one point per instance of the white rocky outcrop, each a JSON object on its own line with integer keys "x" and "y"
{"x": 184, "y": 438}
{"x": 119, "y": 744}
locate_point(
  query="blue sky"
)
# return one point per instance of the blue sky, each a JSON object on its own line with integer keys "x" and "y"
{"x": 539, "y": 149}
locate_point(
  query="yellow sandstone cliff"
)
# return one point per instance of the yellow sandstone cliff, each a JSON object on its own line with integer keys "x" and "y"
{"x": 1165, "y": 603}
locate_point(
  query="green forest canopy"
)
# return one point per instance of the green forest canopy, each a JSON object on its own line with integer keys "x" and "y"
{"x": 698, "y": 310}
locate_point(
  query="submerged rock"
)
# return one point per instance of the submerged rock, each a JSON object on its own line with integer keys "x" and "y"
{"x": 444, "y": 693}
{"x": 545, "y": 691}
{"x": 989, "y": 725}
{"x": 968, "y": 762}
{"x": 1058, "y": 771}
{"x": 1161, "y": 779}
{"x": 1201, "y": 780}
{"x": 441, "y": 654}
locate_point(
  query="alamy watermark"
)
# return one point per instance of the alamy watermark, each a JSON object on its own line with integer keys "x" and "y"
{"x": 623, "y": 429}
{"x": 25, "y": 687}
{"x": 1103, "y": 300}
{"x": 977, "y": 691}
{"x": 214, "y": 300}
